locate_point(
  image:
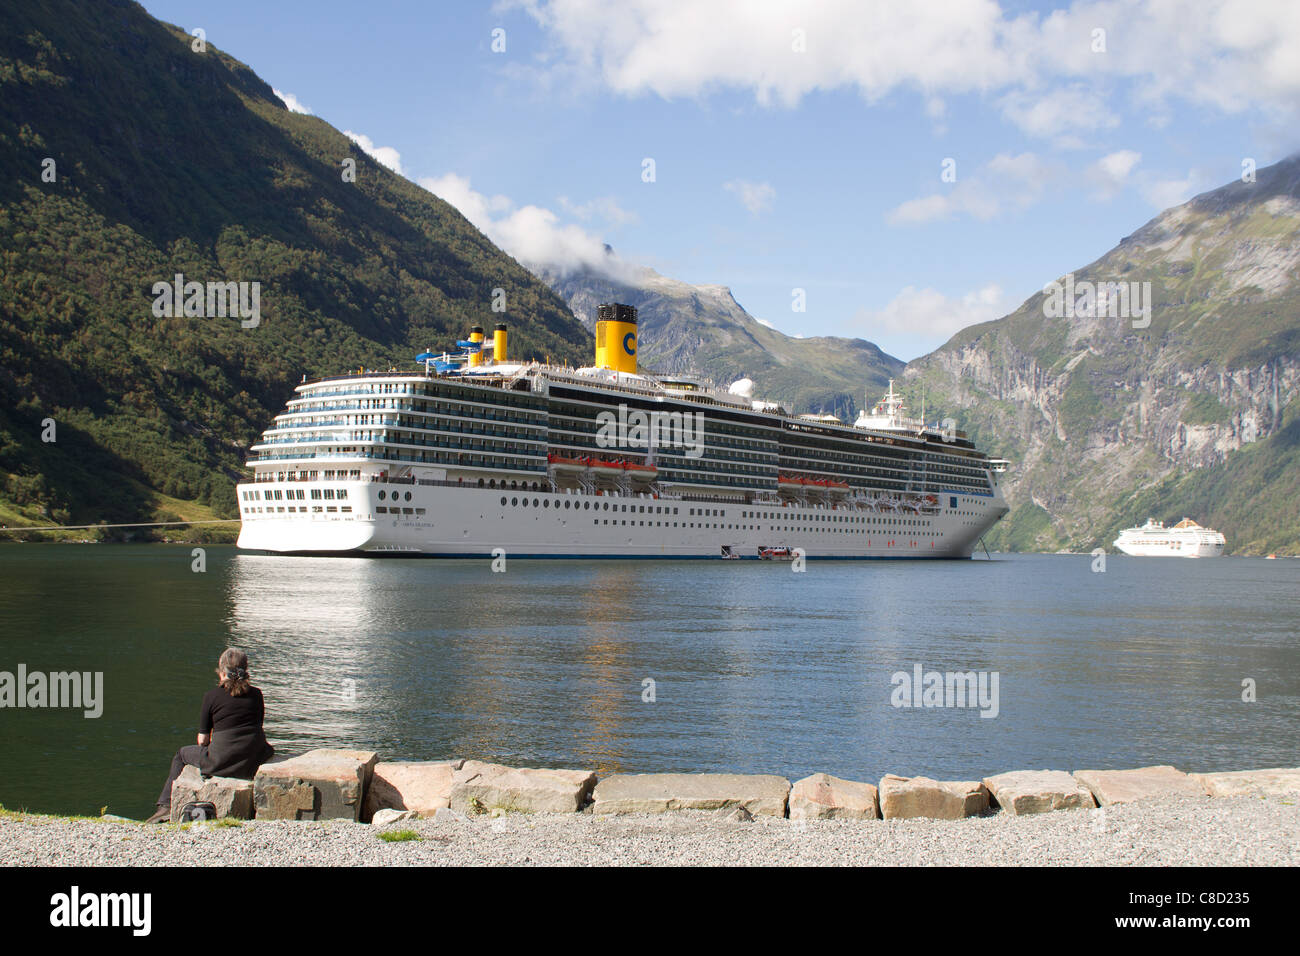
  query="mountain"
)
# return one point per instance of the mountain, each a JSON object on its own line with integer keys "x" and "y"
{"x": 128, "y": 156}
{"x": 702, "y": 330}
{"x": 1110, "y": 420}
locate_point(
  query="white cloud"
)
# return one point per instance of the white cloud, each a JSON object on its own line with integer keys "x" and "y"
{"x": 292, "y": 102}
{"x": 756, "y": 197}
{"x": 605, "y": 209}
{"x": 917, "y": 319}
{"x": 1004, "y": 183}
{"x": 384, "y": 155}
{"x": 1110, "y": 174}
{"x": 532, "y": 234}
{"x": 1163, "y": 193}
{"x": 1041, "y": 69}
{"x": 1060, "y": 115}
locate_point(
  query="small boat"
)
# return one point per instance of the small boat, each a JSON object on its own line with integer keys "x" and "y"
{"x": 641, "y": 472}
{"x": 1271, "y": 557}
{"x": 563, "y": 464}
{"x": 606, "y": 469}
{"x": 776, "y": 554}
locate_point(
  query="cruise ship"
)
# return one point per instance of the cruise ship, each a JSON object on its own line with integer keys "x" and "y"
{"x": 468, "y": 454}
{"x": 1187, "y": 539}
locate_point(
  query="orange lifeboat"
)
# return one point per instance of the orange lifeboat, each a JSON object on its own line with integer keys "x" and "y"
{"x": 641, "y": 471}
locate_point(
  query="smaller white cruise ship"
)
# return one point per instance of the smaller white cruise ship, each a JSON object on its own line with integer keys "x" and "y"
{"x": 1187, "y": 539}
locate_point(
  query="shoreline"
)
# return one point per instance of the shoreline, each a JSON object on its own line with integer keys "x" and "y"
{"x": 1172, "y": 831}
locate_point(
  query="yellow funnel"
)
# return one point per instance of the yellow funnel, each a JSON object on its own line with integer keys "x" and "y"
{"x": 616, "y": 337}
{"x": 499, "y": 344}
{"x": 476, "y": 335}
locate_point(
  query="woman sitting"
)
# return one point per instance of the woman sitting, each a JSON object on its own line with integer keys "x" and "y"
{"x": 230, "y": 741}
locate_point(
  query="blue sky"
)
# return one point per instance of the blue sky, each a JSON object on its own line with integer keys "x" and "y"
{"x": 798, "y": 145}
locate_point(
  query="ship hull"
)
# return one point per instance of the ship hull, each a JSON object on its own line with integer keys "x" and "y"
{"x": 473, "y": 522}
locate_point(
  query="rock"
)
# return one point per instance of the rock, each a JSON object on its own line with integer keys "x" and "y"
{"x": 232, "y": 797}
{"x": 907, "y": 798}
{"x": 1145, "y": 783}
{"x": 448, "y": 815}
{"x": 386, "y": 816}
{"x": 1276, "y": 782}
{"x": 1037, "y": 791}
{"x": 660, "y": 792}
{"x": 823, "y": 797}
{"x": 481, "y": 787}
{"x": 422, "y": 786}
{"x": 319, "y": 785}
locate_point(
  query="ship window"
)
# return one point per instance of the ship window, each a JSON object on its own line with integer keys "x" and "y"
{"x": 513, "y": 501}
{"x": 546, "y": 502}
{"x": 382, "y": 495}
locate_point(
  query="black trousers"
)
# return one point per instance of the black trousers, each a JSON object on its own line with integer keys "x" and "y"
{"x": 193, "y": 756}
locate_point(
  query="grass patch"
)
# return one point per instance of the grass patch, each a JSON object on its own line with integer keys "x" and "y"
{"x": 399, "y": 836}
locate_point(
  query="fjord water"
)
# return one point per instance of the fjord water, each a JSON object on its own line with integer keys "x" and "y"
{"x": 755, "y": 668}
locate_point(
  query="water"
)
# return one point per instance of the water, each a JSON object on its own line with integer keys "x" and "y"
{"x": 756, "y": 668}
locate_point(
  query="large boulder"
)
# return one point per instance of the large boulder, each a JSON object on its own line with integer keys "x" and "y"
{"x": 660, "y": 792}
{"x": 1276, "y": 782}
{"x": 423, "y": 786}
{"x": 1037, "y": 791}
{"x": 480, "y": 787}
{"x": 319, "y": 785}
{"x": 823, "y": 797}
{"x": 906, "y": 798}
{"x": 1144, "y": 783}
{"x": 231, "y": 796}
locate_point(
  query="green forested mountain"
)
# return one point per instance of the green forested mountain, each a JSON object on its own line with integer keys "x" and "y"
{"x": 166, "y": 160}
{"x": 1110, "y": 420}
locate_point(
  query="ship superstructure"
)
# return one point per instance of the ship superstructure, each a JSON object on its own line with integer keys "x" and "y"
{"x": 1187, "y": 539}
{"x": 471, "y": 452}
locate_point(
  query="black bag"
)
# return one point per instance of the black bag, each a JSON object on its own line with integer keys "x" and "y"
{"x": 202, "y": 810}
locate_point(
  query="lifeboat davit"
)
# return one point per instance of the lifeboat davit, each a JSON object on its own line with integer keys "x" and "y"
{"x": 790, "y": 482}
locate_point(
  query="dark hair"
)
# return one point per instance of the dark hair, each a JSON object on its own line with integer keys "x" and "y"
{"x": 232, "y": 671}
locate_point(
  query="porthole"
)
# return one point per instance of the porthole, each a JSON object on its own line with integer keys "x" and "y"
{"x": 503, "y": 502}
{"x": 408, "y": 496}
{"x": 546, "y": 502}
{"x": 514, "y": 502}
{"x": 534, "y": 502}
{"x": 382, "y": 495}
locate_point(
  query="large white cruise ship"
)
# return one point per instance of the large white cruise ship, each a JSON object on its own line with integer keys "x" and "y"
{"x": 1187, "y": 539}
{"x": 471, "y": 455}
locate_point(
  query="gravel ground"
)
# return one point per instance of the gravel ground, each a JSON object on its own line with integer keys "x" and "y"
{"x": 1173, "y": 832}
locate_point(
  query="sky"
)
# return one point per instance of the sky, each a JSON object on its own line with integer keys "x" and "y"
{"x": 892, "y": 170}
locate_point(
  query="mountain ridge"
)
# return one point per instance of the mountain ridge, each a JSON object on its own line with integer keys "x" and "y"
{"x": 1194, "y": 414}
